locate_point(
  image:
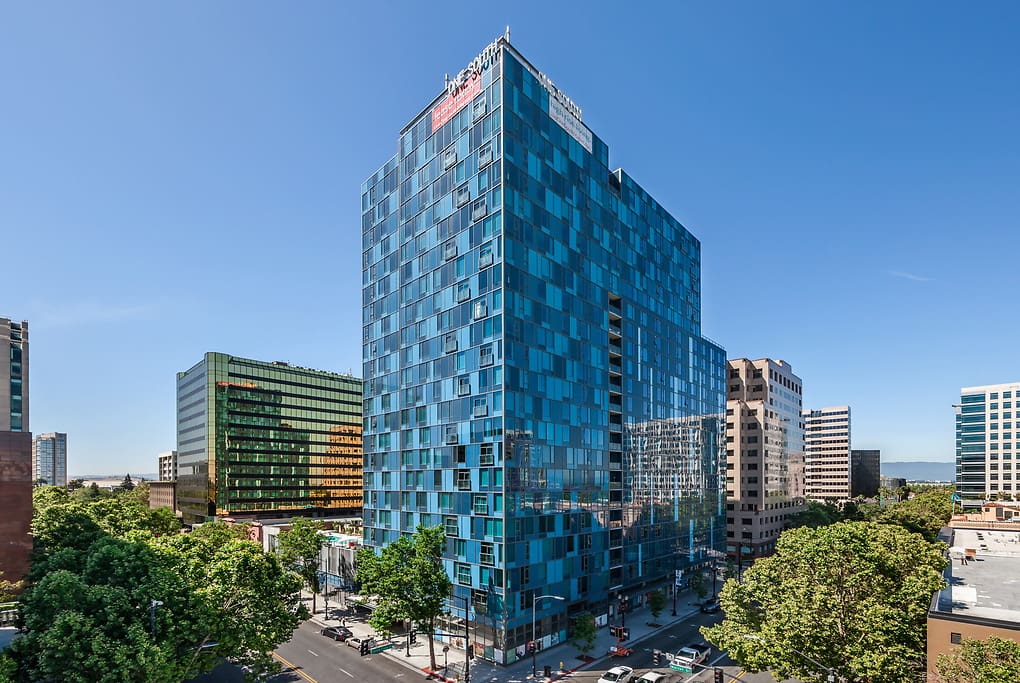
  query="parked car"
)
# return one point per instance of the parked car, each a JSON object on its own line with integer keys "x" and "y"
{"x": 653, "y": 677}
{"x": 710, "y": 606}
{"x": 618, "y": 674}
{"x": 338, "y": 633}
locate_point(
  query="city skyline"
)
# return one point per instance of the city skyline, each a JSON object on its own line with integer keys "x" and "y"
{"x": 868, "y": 187}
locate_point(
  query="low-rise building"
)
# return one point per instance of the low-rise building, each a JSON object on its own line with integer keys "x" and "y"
{"x": 982, "y": 597}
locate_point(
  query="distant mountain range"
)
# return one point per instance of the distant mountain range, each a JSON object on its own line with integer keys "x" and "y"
{"x": 920, "y": 471}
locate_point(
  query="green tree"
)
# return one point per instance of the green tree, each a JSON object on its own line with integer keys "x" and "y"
{"x": 994, "y": 660}
{"x": 409, "y": 579}
{"x": 816, "y": 514}
{"x": 300, "y": 548}
{"x": 585, "y": 632}
{"x": 8, "y": 669}
{"x": 852, "y": 595}
{"x": 97, "y": 567}
{"x": 9, "y": 589}
{"x": 657, "y": 603}
{"x": 75, "y": 484}
{"x": 127, "y": 484}
{"x": 697, "y": 583}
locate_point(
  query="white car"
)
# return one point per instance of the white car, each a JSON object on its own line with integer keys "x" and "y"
{"x": 653, "y": 677}
{"x": 618, "y": 674}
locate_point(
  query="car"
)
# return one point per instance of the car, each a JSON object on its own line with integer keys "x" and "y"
{"x": 653, "y": 677}
{"x": 338, "y": 633}
{"x": 710, "y": 606}
{"x": 687, "y": 657}
{"x": 355, "y": 641}
{"x": 618, "y": 674}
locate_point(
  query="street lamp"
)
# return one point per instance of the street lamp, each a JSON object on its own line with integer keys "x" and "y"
{"x": 152, "y": 615}
{"x": 831, "y": 678}
{"x": 534, "y": 643}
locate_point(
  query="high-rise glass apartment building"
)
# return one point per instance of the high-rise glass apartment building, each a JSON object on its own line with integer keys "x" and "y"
{"x": 536, "y": 380}
{"x": 263, "y": 440}
{"x": 987, "y": 437}
{"x": 49, "y": 459}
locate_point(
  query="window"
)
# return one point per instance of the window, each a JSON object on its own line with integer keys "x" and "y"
{"x": 463, "y": 574}
{"x": 449, "y": 250}
{"x": 485, "y": 154}
{"x": 481, "y": 309}
{"x": 451, "y": 526}
{"x": 486, "y": 457}
{"x": 460, "y": 455}
{"x": 955, "y": 638}
{"x": 463, "y": 480}
{"x": 485, "y": 255}
{"x": 463, "y": 292}
{"x": 451, "y": 434}
{"x": 480, "y": 407}
{"x": 450, "y": 343}
{"x": 488, "y": 555}
{"x": 462, "y": 196}
{"x": 463, "y": 385}
{"x": 480, "y": 504}
{"x": 449, "y": 158}
{"x": 479, "y": 209}
{"x": 478, "y": 109}
{"x": 485, "y": 356}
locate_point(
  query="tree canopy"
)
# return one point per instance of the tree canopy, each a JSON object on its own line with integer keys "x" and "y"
{"x": 852, "y": 596}
{"x": 117, "y": 594}
{"x": 409, "y": 579}
{"x": 300, "y": 548}
{"x": 994, "y": 660}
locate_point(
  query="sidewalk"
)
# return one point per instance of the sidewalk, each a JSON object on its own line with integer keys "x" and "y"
{"x": 562, "y": 659}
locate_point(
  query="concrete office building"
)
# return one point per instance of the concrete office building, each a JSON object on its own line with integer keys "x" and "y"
{"x": 15, "y": 451}
{"x": 167, "y": 466}
{"x": 865, "y": 473}
{"x": 14, "y": 376}
{"x": 764, "y": 436}
{"x": 49, "y": 459}
{"x": 827, "y": 454}
{"x": 258, "y": 440}
{"x": 986, "y": 442}
{"x": 536, "y": 379}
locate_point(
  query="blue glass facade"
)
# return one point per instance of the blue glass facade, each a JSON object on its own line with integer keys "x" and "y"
{"x": 535, "y": 376}
{"x": 986, "y": 441}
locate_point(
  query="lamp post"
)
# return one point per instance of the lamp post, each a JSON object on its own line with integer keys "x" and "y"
{"x": 831, "y": 678}
{"x": 534, "y": 648}
{"x": 152, "y": 615}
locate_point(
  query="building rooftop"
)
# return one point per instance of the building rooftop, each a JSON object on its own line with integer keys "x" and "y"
{"x": 988, "y": 585}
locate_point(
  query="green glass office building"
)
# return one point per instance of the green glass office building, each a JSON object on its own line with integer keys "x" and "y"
{"x": 536, "y": 380}
{"x": 260, "y": 440}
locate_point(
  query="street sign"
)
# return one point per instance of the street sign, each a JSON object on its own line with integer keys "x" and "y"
{"x": 678, "y": 582}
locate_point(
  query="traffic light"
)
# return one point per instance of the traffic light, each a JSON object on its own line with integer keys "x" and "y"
{"x": 717, "y": 675}
{"x": 363, "y": 647}
{"x": 656, "y": 657}
{"x": 413, "y": 636}
{"x": 614, "y": 631}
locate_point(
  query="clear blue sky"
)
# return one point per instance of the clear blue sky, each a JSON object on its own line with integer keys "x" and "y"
{"x": 182, "y": 177}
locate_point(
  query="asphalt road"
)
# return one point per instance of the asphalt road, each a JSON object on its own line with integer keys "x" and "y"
{"x": 311, "y": 658}
{"x": 672, "y": 639}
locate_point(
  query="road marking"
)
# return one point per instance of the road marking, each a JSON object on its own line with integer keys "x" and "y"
{"x": 347, "y": 672}
{"x": 296, "y": 670}
{"x": 739, "y": 675}
{"x": 314, "y": 654}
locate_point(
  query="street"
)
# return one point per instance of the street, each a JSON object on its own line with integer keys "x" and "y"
{"x": 313, "y": 658}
